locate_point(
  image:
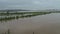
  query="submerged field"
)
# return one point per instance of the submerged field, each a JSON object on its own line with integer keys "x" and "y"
{"x": 41, "y": 24}
{"x": 9, "y": 16}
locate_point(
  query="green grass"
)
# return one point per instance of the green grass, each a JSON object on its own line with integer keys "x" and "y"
{"x": 21, "y": 13}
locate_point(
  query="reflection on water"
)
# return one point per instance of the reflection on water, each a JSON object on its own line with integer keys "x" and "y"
{"x": 43, "y": 24}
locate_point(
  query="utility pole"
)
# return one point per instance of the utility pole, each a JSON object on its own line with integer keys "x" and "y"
{"x": 33, "y": 32}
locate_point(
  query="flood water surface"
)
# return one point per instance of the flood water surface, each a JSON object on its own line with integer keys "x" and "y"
{"x": 42, "y": 24}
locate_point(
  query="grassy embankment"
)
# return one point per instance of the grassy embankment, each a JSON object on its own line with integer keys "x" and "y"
{"x": 29, "y": 14}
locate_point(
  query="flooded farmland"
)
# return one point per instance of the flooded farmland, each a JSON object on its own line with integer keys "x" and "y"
{"x": 41, "y": 24}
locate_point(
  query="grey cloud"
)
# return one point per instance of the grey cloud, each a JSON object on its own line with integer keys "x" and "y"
{"x": 29, "y": 4}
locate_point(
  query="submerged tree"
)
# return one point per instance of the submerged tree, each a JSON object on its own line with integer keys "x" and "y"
{"x": 8, "y": 12}
{"x": 8, "y": 31}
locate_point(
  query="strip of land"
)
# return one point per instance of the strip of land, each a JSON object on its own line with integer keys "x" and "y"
{"x": 16, "y": 15}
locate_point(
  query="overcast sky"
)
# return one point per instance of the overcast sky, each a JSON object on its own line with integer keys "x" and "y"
{"x": 29, "y": 4}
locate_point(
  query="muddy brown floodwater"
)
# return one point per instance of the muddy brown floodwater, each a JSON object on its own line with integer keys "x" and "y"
{"x": 42, "y": 24}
